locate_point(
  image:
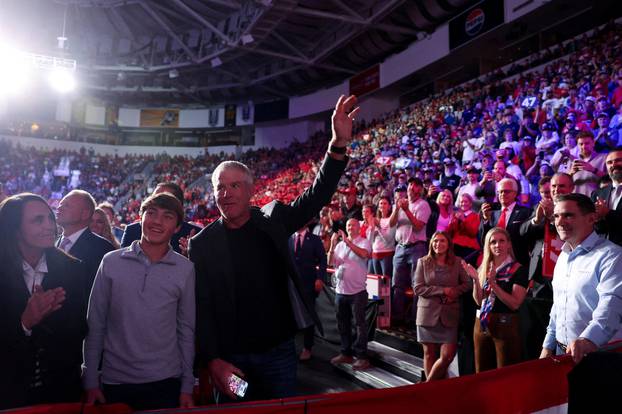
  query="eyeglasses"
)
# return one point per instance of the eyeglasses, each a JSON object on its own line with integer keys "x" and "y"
{"x": 505, "y": 191}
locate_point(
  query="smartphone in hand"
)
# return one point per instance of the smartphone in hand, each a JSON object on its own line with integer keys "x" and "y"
{"x": 237, "y": 385}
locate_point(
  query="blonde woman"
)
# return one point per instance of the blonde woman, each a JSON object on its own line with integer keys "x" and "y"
{"x": 100, "y": 225}
{"x": 500, "y": 286}
{"x": 440, "y": 279}
{"x": 445, "y": 202}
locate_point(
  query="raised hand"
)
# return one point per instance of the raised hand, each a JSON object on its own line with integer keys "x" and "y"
{"x": 602, "y": 208}
{"x": 41, "y": 304}
{"x": 183, "y": 243}
{"x": 486, "y": 211}
{"x": 470, "y": 270}
{"x": 342, "y": 118}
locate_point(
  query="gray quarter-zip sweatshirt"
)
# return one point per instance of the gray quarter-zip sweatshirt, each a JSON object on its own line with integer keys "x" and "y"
{"x": 141, "y": 318}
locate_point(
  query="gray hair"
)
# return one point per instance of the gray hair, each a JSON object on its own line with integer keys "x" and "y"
{"x": 513, "y": 181}
{"x": 232, "y": 165}
{"x": 87, "y": 199}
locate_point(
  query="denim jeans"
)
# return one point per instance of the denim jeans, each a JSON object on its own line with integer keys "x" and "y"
{"x": 348, "y": 306}
{"x": 404, "y": 265}
{"x": 381, "y": 266}
{"x": 270, "y": 374}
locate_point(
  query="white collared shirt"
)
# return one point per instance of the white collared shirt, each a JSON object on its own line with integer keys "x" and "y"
{"x": 614, "y": 198}
{"x": 34, "y": 276}
{"x": 73, "y": 238}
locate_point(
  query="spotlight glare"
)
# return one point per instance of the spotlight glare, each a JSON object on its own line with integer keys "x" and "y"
{"x": 62, "y": 81}
{"x": 14, "y": 72}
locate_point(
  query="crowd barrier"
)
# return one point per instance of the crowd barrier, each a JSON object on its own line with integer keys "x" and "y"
{"x": 534, "y": 386}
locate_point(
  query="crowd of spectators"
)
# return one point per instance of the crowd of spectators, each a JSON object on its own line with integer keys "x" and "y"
{"x": 462, "y": 176}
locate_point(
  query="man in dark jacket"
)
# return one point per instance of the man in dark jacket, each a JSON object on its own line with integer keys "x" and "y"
{"x": 607, "y": 199}
{"x": 508, "y": 215}
{"x": 74, "y": 216}
{"x": 250, "y": 299}
{"x": 310, "y": 258}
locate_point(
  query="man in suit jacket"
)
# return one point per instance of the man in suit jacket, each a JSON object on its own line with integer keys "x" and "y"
{"x": 510, "y": 216}
{"x": 43, "y": 308}
{"x": 539, "y": 300}
{"x": 250, "y": 299}
{"x": 310, "y": 258}
{"x": 607, "y": 199}
{"x": 179, "y": 241}
{"x": 74, "y": 216}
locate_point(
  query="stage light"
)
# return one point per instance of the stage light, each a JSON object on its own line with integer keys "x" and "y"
{"x": 62, "y": 81}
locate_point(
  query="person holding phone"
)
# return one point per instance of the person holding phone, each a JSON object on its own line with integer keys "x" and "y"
{"x": 508, "y": 215}
{"x": 349, "y": 254}
{"x": 589, "y": 167}
{"x": 250, "y": 299}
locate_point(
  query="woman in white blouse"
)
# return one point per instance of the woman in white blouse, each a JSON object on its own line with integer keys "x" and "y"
{"x": 382, "y": 237}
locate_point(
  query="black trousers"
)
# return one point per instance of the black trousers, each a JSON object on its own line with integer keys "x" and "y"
{"x": 147, "y": 396}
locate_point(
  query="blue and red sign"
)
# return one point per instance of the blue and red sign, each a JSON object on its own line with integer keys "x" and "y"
{"x": 475, "y": 21}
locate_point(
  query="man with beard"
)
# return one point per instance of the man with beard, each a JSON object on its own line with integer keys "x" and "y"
{"x": 607, "y": 199}
{"x": 449, "y": 179}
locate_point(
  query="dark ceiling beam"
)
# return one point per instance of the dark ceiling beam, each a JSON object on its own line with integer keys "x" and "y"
{"x": 232, "y": 4}
{"x": 206, "y": 10}
{"x": 345, "y": 8}
{"x": 289, "y": 45}
{"x": 118, "y": 19}
{"x": 334, "y": 40}
{"x": 167, "y": 28}
{"x": 297, "y": 59}
{"x": 305, "y": 11}
{"x": 183, "y": 6}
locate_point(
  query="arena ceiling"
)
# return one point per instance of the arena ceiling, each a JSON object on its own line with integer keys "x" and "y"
{"x": 214, "y": 51}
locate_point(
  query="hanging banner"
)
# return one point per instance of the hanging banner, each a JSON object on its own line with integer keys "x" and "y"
{"x": 365, "y": 82}
{"x": 161, "y": 118}
{"x": 230, "y": 115}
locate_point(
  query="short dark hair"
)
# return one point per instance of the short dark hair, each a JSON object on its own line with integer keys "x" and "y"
{"x": 416, "y": 181}
{"x": 165, "y": 201}
{"x": 585, "y": 204}
{"x": 585, "y": 134}
{"x": 544, "y": 181}
{"x": 173, "y": 189}
{"x": 616, "y": 149}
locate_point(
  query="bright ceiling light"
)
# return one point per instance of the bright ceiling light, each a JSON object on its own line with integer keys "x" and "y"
{"x": 62, "y": 81}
